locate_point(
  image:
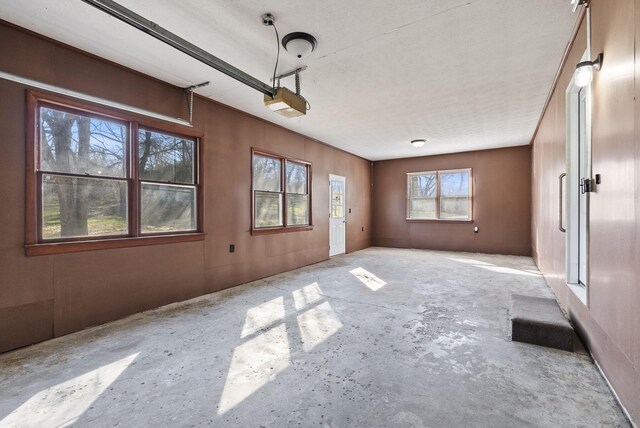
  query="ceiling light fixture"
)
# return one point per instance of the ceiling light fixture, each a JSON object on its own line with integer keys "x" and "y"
{"x": 418, "y": 143}
{"x": 299, "y": 44}
{"x": 584, "y": 71}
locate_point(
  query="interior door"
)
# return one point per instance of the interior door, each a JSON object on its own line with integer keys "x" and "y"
{"x": 337, "y": 215}
{"x": 584, "y": 172}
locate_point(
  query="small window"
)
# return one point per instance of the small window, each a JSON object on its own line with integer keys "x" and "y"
{"x": 439, "y": 195}
{"x": 281, "y": 192}
{"x": 98, "y": 176}
{"x": 168, "y": 189}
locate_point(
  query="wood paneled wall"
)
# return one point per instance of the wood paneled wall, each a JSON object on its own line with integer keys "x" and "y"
{"x": 611, "y": 323}
{"x": 501, "y": 206}
{"x": 47, "y": 296}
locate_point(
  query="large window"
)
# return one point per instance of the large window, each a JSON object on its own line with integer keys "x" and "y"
{"x": 101, "y": 176}
{"x": 439, "y": 195}
{"x": 281, "y": 193}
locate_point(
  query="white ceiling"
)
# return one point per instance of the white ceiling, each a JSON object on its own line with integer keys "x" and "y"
{"x": 464, "y": 74}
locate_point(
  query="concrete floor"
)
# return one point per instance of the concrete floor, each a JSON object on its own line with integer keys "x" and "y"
{"x": 378, "y": 338}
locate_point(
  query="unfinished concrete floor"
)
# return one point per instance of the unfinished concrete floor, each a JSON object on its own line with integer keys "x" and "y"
{"x": 378, "y": 338}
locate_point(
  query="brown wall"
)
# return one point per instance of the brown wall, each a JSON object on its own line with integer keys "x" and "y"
{"x": 46, "y": 296}
{"x": 611, "y": 323}
{"x": 501, "y": 207}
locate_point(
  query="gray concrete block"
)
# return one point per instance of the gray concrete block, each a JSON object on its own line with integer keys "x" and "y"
{"x": 539, "y": 321}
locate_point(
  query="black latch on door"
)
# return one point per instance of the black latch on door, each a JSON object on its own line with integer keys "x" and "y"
{"x": 587, "y": 185}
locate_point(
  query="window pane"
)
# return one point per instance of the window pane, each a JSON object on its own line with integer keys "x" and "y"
{"x": 422, "y": 208}
{"x": 167, "y": 208}
{"x": 268, "y": 208}
{"x": 266, "y": 173}
{"x": 165, "y": 157}
{"x": 79, "y": 144}
{"x": 454, "y": 208}
{"x": 75, "y": 207}
{"x": 296, "y": 178}
{"x": 423, "y": 185}
{"x": 337, "y": 199}
{"x": 297, "y": 209}
{"x": 454, "y": 183}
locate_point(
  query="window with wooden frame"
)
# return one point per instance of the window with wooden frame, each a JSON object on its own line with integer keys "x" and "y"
{"x": 440, "y": 195}
{"x": 98, "y": 178}
{"x": 281, "y": 189}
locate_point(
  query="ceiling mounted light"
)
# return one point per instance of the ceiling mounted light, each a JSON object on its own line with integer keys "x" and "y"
{"x": 418, "y": 143}
{"x": 299, "y": 44}
{"x": 584, "y": 71}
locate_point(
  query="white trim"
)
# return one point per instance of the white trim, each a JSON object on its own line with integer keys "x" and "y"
{"x": 333, "y": 177}
{"x": 580, "y": 291}
{"x": 90, "y": 98}
{"x": 571, "y": 208}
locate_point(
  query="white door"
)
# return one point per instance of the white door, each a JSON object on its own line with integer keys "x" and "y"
{"x": 337, "y": 215}
{"x": 583, "y": 196}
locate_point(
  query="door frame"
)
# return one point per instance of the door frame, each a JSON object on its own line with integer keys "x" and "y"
{"x": 571, "y": 202}
{"x": 335, "y": 177}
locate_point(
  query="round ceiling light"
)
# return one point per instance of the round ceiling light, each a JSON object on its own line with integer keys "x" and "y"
{"x": 299, "y": 44}
{"x": 418, "y": 143}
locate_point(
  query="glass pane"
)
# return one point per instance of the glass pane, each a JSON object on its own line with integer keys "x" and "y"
{"x": 165, "y": 157}
{"x": 268, "y": 208}
{"x": 79, "y": 144}
{"x": 167, "y": 208}
{"x": 296, "y": 178}
{"x": 266, "y": 173}
{"x": 75, "y": 207}
{"x": 337, "y": 199}
{"x": 422, "y": 208}
{"x": 423, "y": 185}
{"x": 454, "y": 208}
{"x": 297, "y": 209}
{"x": 454, "y": 183}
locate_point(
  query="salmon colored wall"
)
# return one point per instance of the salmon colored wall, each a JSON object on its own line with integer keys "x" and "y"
{"x": 501, "y": 207}
{"x": 47, "y": 296}
{"x": 611, "y": 323}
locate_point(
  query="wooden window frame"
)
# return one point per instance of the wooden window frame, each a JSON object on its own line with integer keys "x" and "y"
{"x": 437, "y": 219}
{"x": 283, "y": 185}
{"x": 34, "y": 243}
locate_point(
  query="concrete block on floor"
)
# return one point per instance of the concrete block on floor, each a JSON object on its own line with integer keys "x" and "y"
{"x": 539, "y": 321}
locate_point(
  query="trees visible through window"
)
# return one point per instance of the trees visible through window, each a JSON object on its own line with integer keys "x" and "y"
{"x": 168, "y": 190}
{"x": 83, "y": 174}
{"x": 439, "y": 195}
{"x": 281, "y": 192}
{"x": 97, "y": 179}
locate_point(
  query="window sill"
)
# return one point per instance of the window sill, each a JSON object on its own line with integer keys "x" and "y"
{"x": 273, "y": 230}
{"x": 105, "y": 244}
{"x": 419, "y": 220}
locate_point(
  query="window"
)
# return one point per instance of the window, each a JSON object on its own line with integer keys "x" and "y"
{"x": 98, "y": 175}
{"x": 281, "y": 193}
{"x": 439, "y": 195}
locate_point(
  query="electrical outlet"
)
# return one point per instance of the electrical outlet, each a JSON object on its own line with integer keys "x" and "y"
{"x": 232, "y": 248}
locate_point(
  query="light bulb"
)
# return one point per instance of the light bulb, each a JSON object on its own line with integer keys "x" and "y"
{"x": 583, "y": 76}
{"x": 418, "y": 143}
